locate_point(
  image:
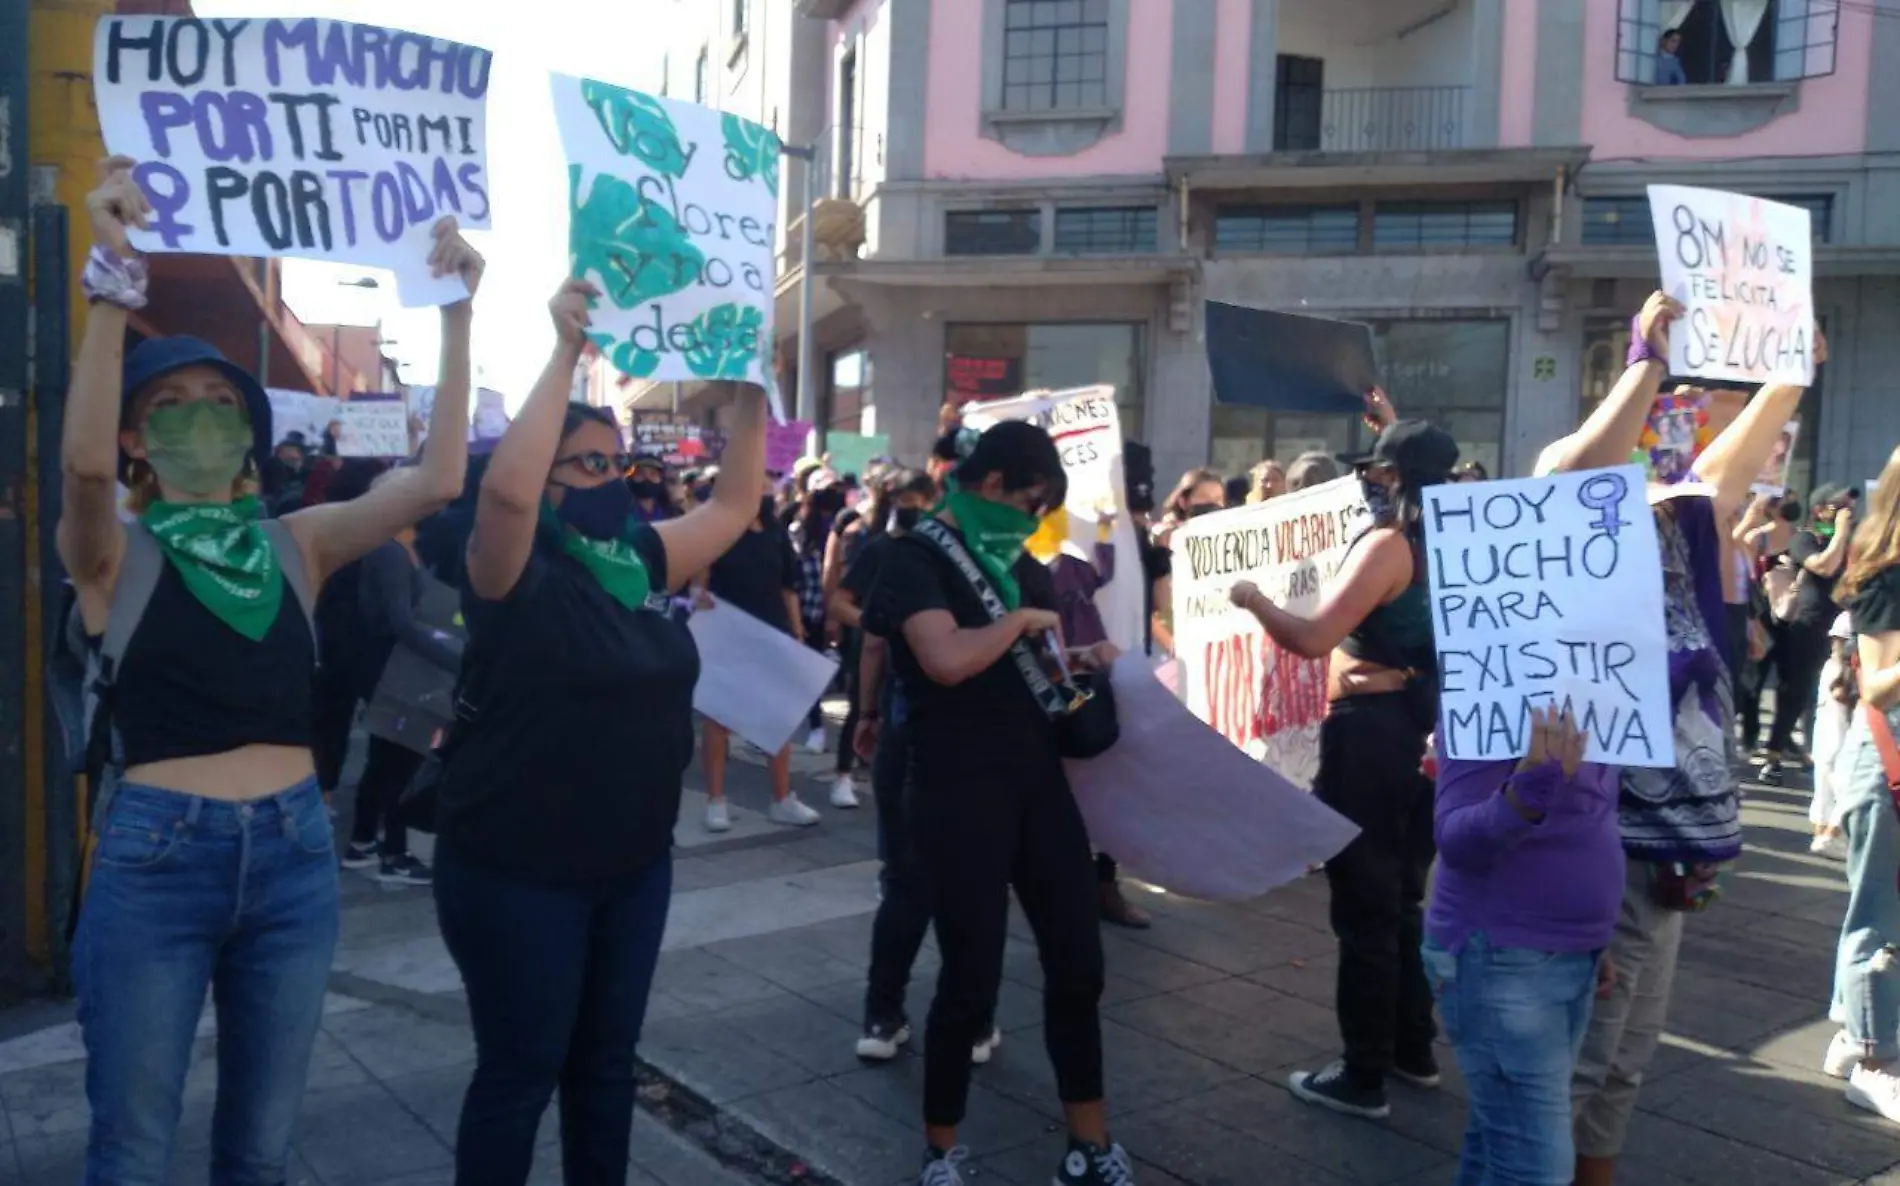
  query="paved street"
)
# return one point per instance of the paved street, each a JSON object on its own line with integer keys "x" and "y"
{"x": 756, "y": 1008}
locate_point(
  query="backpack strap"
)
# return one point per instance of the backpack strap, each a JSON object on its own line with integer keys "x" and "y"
{"x": 290, "y": 559}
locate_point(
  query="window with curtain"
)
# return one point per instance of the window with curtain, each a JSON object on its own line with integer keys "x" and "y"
{"x": 1727, "y": 42}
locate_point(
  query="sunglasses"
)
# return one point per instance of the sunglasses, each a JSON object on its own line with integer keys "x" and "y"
{"x": 598, "y": 464}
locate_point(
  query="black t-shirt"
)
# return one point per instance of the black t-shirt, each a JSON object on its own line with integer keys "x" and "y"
{"x": 1876, "y": 608}
{"x": 1814, "y": 600}
{"x": 860, "y": 574}
{"x": 756, "y": 573}
{"x": 1156, "y": 562}
{"x": 914, "y": 576}
{"x": 583, "y": 724}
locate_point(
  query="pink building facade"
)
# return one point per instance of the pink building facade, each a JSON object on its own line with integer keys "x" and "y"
{"x": 1050, "y": 190}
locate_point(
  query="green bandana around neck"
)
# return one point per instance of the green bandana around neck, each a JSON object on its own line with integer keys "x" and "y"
{"x": 995, "y": 533}
{"x": 225, "y": 559}
{"x": 615, "y": 563}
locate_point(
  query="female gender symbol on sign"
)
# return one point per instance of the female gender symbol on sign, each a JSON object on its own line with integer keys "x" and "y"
{"x": 1604, "y": 493}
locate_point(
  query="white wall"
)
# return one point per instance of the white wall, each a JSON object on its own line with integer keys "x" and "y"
{"x": 1358, "y": 39}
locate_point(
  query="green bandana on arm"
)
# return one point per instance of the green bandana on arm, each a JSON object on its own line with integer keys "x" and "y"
{"x": 221, "y": 552}
{"x": 995, "y": 533}
{"x": 615, "y": 563}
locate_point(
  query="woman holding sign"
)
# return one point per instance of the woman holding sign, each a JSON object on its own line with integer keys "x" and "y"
{"x": 964, "y": 607}
{"x": 212, "y": 867}
{"x": 562, "y": 771}
{"x": 1679, "y": 823}
{"x": 1381, "y": 690}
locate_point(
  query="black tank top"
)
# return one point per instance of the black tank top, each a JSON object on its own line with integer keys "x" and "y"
{"x": 189, "y": 685}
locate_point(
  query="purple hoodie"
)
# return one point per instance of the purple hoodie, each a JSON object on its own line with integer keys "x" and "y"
{"x": 1555, "y": 885}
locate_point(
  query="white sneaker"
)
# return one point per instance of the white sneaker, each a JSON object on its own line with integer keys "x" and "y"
{"x": 790, "y": 812}
{"x": 815, "y": 740}
{"x": 1830, "y": 844}
{"x": 985, "y": 1050}
{"x": 1876, "y": 1091}
{"x": 1843, "y": 1055}
{"x": 718, "y": 816}
{"x": 844, "y": 793}
{"x": 882, "y": 1040}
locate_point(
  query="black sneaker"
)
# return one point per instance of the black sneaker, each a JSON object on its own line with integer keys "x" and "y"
{"x": 1330, "y": 1088}
{"x": 883, "y": 1039}
{"x": 1418, "y": 1072}
{"x": 361, "y": 856}
{"x": 404, "y": 870}
{"x": 1092, "y": 1165}
{"x": 1769, "y": 774}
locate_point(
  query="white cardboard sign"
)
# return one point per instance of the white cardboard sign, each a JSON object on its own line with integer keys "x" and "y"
{"x": 1550, "y": 589}
{"x": 372, "y": 428}
{"x": 755, "y": 680}
{"x": 672, "y": 211}
{"x": 1743, "y": 269}
{"x": 300, "y": 137}
{"x": 1266, "y": 700}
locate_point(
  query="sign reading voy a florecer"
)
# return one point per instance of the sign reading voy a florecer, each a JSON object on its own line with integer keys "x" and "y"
{"x": 311, "y": 138}
{"x": 1266, "y": 700}
{"x": 1743, "y": 269}
{"x": 1549, "y": 590}
{"x": 672, "y": 212}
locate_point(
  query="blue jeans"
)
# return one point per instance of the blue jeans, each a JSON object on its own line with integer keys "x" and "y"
{"x": 557, "y": 975}
{"x": 1515, "y": 1018}
{"x": 188, "y": 895}
{"x": 1866, "y": 980}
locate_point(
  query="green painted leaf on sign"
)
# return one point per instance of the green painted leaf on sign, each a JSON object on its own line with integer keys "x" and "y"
{"x": 628, "y": 358}
{"x": 751, "y": 151}
{"x": 727, "y": 341}
{"x": 637, "y": 125}
{"x": 630, "y": 246}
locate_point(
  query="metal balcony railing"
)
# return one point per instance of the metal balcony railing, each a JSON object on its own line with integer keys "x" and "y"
{"x": 1389, "y": 119}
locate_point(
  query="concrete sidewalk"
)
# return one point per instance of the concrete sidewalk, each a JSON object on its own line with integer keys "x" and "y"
{"x": 757, "y": 1005}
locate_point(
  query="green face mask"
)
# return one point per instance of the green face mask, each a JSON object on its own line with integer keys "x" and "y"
{"x": 198, "y": 448}
{"x": 995, "y": 533}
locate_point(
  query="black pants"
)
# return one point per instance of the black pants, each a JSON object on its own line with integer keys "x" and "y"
{"x": 1369, "y": 773}
{"x": 903, "y": 915}
{"x": 848, "y": 649}
{"x": 987, "y": 814}
{"x": 1798, "y": 661}
{"x": 557, "y": 977}
{"x": 386, "y": 775}
{"x": 1748, "y": 707}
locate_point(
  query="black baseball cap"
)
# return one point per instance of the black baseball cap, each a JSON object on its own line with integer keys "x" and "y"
{"x": 154, "y": 358}
{"x": 1420, "y": 450}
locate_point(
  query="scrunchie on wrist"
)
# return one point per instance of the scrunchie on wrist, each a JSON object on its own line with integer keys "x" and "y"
{"x": 1640, "y": 349}
{"x": 113, "y": 279}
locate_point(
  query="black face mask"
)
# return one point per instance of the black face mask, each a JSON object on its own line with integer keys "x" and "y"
{"x": 766, "y": 508}
{"x": 828, "y": 502}
{"x": 703, "y": 493}
{"x": 597, "y": 512}
{"x": 905, "y": 518}
{"x": 647, "y": 490}
{"x": 1197, "y": 509}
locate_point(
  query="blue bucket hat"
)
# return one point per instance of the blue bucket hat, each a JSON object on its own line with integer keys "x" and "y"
{"x": 154, "y": 358}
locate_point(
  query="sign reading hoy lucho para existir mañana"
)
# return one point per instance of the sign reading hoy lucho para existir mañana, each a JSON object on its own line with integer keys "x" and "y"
{"x": 1549, "y": 590}
{"x": 307, "y": 137}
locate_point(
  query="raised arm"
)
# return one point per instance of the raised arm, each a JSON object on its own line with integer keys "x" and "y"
{"x": 1733, "y": 460}
{"x": 90, "y": 536}
{"x": 510, "y": 501}
{"x": 1371, "y": 576}
{"x": 1829, "y": 561}
{"x": 333, "y": 534}
{"x": 1616, "y": 426}
{"x": 704, "y": 533}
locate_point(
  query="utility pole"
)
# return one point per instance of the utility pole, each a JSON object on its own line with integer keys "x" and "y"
{"x": 807, "y": 394}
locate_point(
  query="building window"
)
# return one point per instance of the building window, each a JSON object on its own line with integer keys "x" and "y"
{"x": 1453, "y": 373}
{"x": 699, "y": 77}
{"x": 848, "y": 391}
{"x": 1287, "y": 230}
{"x": 1791, "y": 39}
{"x": 1606, "y": 343}
{"x": 1127, "y": 230}
{"x": 992, "y": 232}
{"x": 1428, "y": 226}
{"x": 1055, "y": 54}
{"x": 1624, "y": 220}
{"x": 1298, "y": 96}
{"x": 1051, "y": 355}
{"x": 741, "y": 17}
{"x": 847, "y": 182}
